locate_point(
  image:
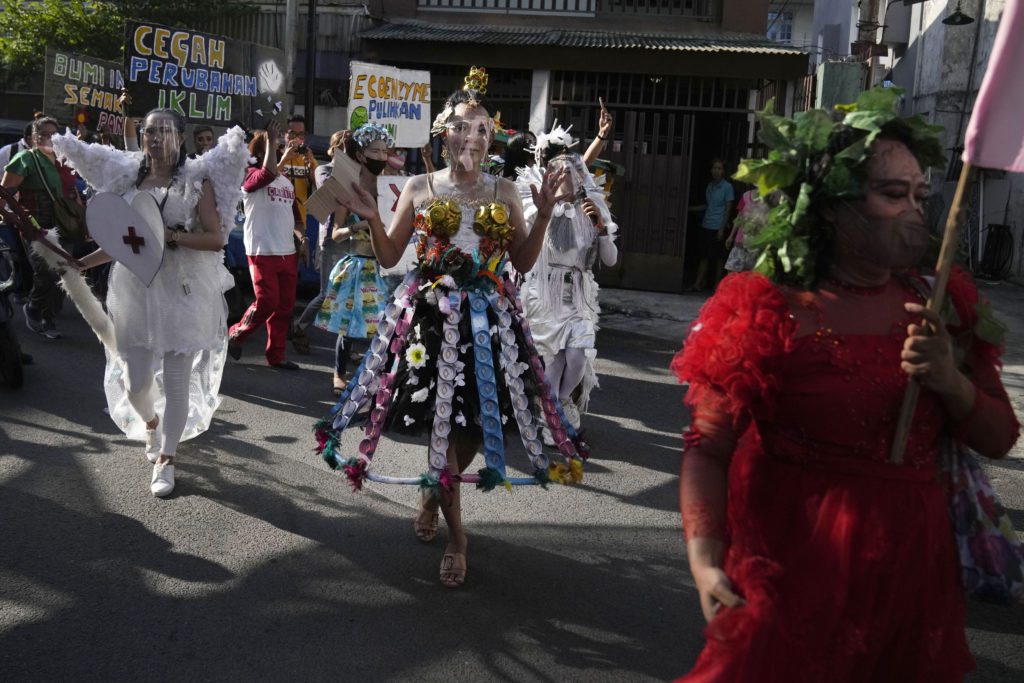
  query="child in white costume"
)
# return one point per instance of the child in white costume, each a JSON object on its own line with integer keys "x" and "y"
{"x": 162, "y": 378}
{"x": 560, "y": 293}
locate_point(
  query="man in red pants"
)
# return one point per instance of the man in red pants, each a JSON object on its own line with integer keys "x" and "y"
{"x": 272, "y": 232}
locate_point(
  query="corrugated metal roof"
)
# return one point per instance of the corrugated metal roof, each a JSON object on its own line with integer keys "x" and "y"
{"x": 528, "y": 36}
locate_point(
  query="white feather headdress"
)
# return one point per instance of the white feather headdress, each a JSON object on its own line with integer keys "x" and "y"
{"x": 557, "y": 136}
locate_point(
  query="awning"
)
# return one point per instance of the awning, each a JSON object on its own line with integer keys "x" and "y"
{"x": 530, "y": 36}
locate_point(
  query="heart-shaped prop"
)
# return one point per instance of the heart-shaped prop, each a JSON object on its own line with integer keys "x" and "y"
{"x": 131, "y": 235}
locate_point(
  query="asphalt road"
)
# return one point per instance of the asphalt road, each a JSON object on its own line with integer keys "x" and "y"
{"x": 265, "y": 565}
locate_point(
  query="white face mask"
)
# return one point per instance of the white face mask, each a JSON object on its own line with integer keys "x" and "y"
{"x": 874, "y": 246}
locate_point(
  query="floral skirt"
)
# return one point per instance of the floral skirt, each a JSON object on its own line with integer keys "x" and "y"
{"x": 354, "y": 299}
{"x": 455, "y": 364}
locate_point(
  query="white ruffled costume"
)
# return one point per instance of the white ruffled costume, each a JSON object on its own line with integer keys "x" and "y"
{"x": 560, "y": 292}
{"x": 183, "y": 311}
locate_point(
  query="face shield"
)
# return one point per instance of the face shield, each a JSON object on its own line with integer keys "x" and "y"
{"x": 469, "y": 139}
{"x": 575, "y": 177}
{"x": 161, "y": 139}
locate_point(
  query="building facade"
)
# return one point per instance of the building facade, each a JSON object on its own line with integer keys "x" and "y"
{"x": 681, "y": 77}
{"x": 941, "y": 68}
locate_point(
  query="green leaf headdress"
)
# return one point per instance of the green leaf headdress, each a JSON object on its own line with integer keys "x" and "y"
{"x": 818, "y": 156}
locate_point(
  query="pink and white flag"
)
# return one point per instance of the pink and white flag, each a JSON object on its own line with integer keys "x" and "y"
{"x": 995, "y": 135}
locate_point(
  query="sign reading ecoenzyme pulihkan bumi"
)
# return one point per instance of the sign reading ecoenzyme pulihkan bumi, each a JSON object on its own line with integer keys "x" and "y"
{"x": 208, "y": 78}
{"x": 398, "y": 99}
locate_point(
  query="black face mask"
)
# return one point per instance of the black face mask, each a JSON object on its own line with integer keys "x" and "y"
{"x": 375, "y": 166}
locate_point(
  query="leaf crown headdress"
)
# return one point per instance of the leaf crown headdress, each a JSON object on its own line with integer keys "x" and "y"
{"x": 817, "y": 156}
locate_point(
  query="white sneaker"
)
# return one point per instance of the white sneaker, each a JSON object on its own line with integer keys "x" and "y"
{"x": 152, "y": 445}
{"x": 163, "y": 479}
{"x": 572, "y": 413}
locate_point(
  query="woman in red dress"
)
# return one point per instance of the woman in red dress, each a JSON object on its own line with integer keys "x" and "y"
{"x": 816, "y": 559}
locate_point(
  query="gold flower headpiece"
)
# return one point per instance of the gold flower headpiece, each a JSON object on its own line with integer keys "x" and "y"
{"x": 476, "y": 80}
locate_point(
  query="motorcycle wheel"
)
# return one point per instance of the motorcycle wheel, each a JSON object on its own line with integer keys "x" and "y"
{"x": 11, "y": 374}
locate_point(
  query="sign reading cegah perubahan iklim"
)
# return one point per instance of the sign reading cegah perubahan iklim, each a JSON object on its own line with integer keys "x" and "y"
{"x": 209, "y": 79}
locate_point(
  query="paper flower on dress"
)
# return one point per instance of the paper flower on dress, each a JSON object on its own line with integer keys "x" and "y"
{"x": 408, "y": 420}
{"x": 416, "y": 355}
{"x": 420, "y": 396}
{"x": 460, "y": 418}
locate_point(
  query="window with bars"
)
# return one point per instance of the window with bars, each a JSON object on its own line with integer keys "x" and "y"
{"x": 780, "y": 27}
{"x": 512, "y": 6}
{"x": 642, "y": 91}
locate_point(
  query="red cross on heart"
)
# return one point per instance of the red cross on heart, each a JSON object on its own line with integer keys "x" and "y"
{"x": 133, "y": 235}
{"x": 133, "y": 240}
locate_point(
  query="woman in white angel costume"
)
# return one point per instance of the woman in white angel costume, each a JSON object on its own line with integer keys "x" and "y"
{"x": 560, "y": 293}
{"x": 165, "y": 343}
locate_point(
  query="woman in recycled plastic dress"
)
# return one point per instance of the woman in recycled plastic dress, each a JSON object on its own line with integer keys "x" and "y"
{"x": 452, "y": 357}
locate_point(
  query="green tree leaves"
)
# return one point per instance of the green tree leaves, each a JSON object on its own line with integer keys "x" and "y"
{"x": 91, "y": 27}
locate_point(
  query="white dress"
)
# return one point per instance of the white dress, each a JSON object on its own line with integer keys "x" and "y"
{"x": 183, "y": 310}
{"x": 560, "y": 293}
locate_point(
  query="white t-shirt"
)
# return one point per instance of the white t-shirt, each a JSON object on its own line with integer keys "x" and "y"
{"x": 269, "y": 219}
{"x": 8, "y": 152}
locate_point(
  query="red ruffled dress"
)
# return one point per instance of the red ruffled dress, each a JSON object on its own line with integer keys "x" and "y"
{"x": 846, "y": 562}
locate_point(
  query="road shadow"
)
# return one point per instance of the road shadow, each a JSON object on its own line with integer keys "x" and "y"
{"x": 352, "y": 594}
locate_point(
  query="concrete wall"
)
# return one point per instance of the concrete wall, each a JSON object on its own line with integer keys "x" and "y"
{"x": 942, "y": 87}
{"x": 833, "y": 13}
{"x": 803, "y": 19}
{"x": 745, "y": 16}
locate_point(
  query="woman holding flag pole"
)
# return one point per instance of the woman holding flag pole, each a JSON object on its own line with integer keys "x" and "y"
{"x": 816, "y": 555}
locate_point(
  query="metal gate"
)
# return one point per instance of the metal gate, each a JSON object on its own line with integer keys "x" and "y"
{"x": 655, "y": 121}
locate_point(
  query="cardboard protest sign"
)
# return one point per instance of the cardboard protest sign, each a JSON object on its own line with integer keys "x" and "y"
{"x": 83, "y": 90}
{"x": 336, "y": 189}
{"x": 208, "y": 78}
{"x": 389, "y": 188}
{"x": 398, "y": 99}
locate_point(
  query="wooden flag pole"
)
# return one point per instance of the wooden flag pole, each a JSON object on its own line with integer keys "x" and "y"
{"x": 943, "y": 268}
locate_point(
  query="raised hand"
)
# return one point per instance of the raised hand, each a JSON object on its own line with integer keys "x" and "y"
{"x": 605, "y": 122}
{"x": 362, "y": 203}
{"x": 547, "y": 196}
{"x": 273, "y": 132}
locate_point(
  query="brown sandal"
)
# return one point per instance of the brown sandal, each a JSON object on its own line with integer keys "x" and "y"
{"x": 453, "y": 570}
{"x": 425, "y": 531}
